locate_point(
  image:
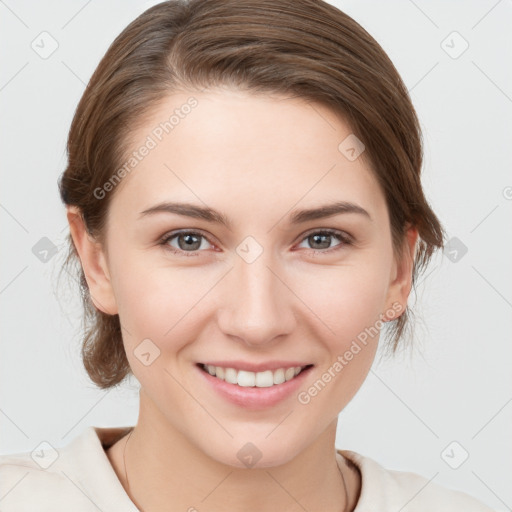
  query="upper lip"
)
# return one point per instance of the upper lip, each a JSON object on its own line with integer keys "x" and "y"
{"x": 256, "y": 367}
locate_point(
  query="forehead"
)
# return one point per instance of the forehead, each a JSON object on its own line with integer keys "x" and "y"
{"x": 243, "y": 151}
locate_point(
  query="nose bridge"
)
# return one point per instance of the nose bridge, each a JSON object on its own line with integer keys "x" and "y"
{"x": 256, "y": 306}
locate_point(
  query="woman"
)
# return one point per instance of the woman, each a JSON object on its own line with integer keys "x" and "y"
{"x": 243, "y": 194}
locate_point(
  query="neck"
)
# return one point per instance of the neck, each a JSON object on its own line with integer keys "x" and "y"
{"x": 164, "y": 471}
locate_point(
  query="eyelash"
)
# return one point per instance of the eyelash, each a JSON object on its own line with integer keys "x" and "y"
{"x": 343, "y": 237}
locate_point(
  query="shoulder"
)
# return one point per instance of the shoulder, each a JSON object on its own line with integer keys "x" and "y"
{"x": 389, "y": 490}
{"x": 25, "y": 484}
{"x": 75, "y": 477}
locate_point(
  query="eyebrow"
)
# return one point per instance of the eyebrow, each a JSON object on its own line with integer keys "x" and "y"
{"x": 296, "y": 217}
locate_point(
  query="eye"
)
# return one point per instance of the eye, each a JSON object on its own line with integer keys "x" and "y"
{"x": 188, "y": 242}
{"x": 321, "y": 240}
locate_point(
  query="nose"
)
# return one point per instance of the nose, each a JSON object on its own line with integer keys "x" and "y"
{"x": 256, "y": 306}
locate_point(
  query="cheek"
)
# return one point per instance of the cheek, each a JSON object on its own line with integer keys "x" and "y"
{"x": 347, "y": 298}
{"x": 159, "y": 302}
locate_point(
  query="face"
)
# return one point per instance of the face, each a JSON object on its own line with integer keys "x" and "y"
{"x": 240, "y": 272}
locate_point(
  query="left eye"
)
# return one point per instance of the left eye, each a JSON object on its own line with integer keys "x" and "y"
{"x": 324, "y": 239}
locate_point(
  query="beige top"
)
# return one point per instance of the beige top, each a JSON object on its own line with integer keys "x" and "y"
{"x": 80, "y": 478}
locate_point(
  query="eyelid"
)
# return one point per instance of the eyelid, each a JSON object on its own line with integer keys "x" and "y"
{"x": 343, "y": 235}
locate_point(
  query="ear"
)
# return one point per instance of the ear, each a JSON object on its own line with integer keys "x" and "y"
{"x": 401, "y": 278}
{"x": 94, "y": 263}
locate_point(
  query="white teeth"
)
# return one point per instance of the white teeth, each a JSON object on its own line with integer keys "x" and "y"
{"x": 289, "y": 373}
{"x": 264, "y": 379}
{"x": 279, "y": 376}
{"x": 230, "y": 376}
{"x": 247, "y": 379}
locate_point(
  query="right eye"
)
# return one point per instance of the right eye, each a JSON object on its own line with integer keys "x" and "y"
{"x": 188, "y": 242}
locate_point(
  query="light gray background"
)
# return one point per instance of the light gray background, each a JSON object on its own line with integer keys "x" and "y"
{"x": 455, "y": 387}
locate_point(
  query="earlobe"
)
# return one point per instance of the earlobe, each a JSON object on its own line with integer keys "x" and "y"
{"x": 93, "y": 262}
{"x": 400, "y": 286}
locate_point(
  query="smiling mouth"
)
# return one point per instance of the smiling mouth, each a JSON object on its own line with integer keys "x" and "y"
{"x": 264, "y": 379}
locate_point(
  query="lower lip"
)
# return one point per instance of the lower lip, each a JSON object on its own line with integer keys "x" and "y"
{"x": 254, "y": 397}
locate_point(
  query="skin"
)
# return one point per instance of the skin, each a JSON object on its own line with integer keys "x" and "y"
{"x": 256, "y": 159}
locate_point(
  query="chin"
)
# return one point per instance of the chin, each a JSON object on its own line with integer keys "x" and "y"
{"x": 240, "y": 452}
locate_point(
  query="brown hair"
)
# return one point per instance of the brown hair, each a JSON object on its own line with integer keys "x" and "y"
{"x": 305, "y": 48}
